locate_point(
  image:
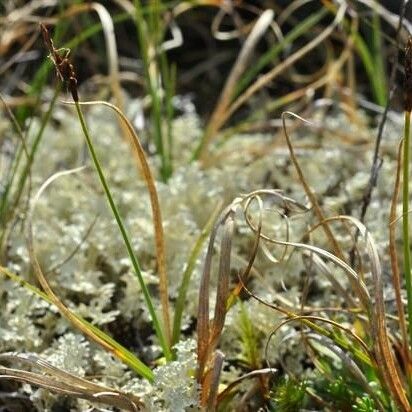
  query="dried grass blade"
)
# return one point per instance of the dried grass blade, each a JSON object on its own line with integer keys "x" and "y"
{"x": 364, "y": 356}
{"x": 111, "y": 398}
{"x": 119, "y": 351}
{"x": 110, "y": 38}
{"x": 317, "y": 261}
{"x": 254, "y": 374}
{"x": 19, "y": 280}
{"x": 318, "y": 211}
{"x": 255, "y": 247}
{"x": 65, "y": 381}
{"x": 206, "y": 338}
{"x": 70, "y": 256}
{"x": 357, "y": 283}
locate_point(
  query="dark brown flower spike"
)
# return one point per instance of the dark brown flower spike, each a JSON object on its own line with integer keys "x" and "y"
{"x": 408, "y": 75}
{"x": 60, "y": 58}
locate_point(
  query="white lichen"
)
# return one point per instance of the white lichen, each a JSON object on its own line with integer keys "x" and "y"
{"x": 175, "y": 388}
{"x": 73, "y": 214}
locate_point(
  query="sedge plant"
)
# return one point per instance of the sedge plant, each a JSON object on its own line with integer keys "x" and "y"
{"x": 66, "y": 73}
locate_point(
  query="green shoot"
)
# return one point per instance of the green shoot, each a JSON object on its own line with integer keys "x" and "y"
{"x": 150, "y": 34}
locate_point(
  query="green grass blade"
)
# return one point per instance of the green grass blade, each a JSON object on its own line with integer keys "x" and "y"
{"x": 169, "y": 78}
{"x": 369, "y": 65}
{"x": 378, "y": 56}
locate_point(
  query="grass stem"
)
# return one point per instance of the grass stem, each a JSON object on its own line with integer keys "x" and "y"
{"x": 405, "y": 217}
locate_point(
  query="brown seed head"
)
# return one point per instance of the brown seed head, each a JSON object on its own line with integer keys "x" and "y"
{"x": 64, "y": 68}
